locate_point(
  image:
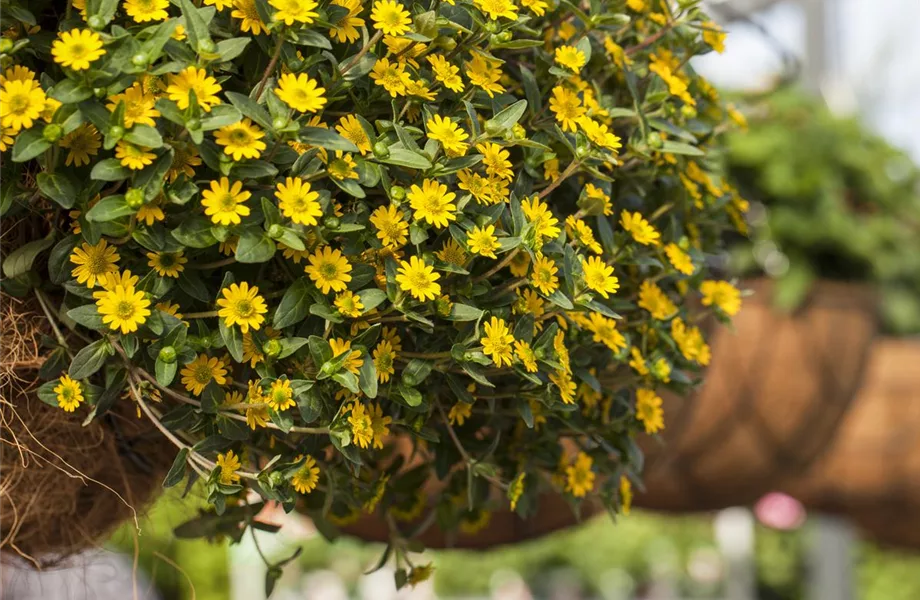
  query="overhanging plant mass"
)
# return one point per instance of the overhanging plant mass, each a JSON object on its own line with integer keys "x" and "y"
{"x": 418, "y": 260}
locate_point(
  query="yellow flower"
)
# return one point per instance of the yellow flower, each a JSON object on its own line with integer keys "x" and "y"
{"x": 93, "y": 262}
{"x": 224, "y": 203}
{"x": 599, "y": 134}
{"x": 185, "y": 159}
{"x": 579, "y": 478}
{"x": 246, "y": 11}
{"x": 169, "y": 308}
{"x": 346, "y": 28}
{"x": 582, "y": 233}
{"x": 450, "y": 135}
{"x": 390, "y": 17}
{"x": 570, "y": 57}
{"x": 298, "y": 201}
{"x": 342, "y": 166}
{"x": 445, "y": 72}
{"x": 497, "y": 342}
{"x": 147, "y": 10}
{"x": 349, "y": 304}
{"x": 123, "y": 308}
{"x": 418, "y": 279}
{"x": 69, "y": 393}
{"x": 257, "y": 414}
{"x": 306, "y": 477}
{"x": 543, "y": 275}
{"x": 82, "y": 142}
{"x": 452, "y": 252}
{"x": 195, "y": 80}
{"x": 167, "y": 264}
{"x": 241, "y": 140}
{"x": 329, "y": 269}
{"x": 110, "y": 281}
{"x": 391, "y": 228}
{"x": 459, "y": 413}
{"x": 219, "y": 4}
{"x": 516, "y": 489}
{"x": 545, "y": 225}
{"x": 420, "y": 573}
{"x": 714, "y": 36}
{"x": 477, "y": 185}
{"x": 655, "y": 301}
{"x": 291, "y": 11}
{"x": 133, "y": 157}
{"x": 7, "y": 135}
{"x": 139, "y": 106}
{"x": 605, "y": 332}
{"x": 567, "y": 107}
{"x": 639, "y": 228}
{"x": 242, "y": 305}
{"x": 567, "y": 387}
{"x": 21, "y": 103}
{"x": 380, "y": 424}
{"x": 384, "y": 355}
{"x": 77, "y": 48}
{"x": 526, "y": 355}
{"x": 352, "y": 130}
{"x": 229, "y": 464}
{"x": 497, "y": 8}
{"x": 362, "y": 426}
{"x": 495, "y": 158}
{"x": 392, "y": 76}
{"x": 690, "y": 342}
{"x": 537, "y": 7}
{"x": 626, "y": 495}
{"x": 520, "y": 264}
{"x": 432, "y": 203}
{"x": 484, "y": 74}
{"x": 599, "y": 276}
{"x": 301, "y": 93}
{"x": 562, "y": 353}
{"x": 679, "y": 259}
{"x": 280, "y": 396}
{"x": 551, "y": 169}
{"x": 649, "y": 411}
{"x": 404, "y": 50}
{"x": 721, "y": 294}
{"x": 482, "y": 241}
{"x": 17, "y": 73}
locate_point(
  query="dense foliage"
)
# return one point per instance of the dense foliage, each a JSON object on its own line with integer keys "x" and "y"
{"x": 294, "y": 234}
{"x": 840, "y": 203}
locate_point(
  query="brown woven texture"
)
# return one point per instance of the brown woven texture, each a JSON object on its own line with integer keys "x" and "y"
{"x": 65, "y": 487}
{"x": 871, "y": 472}
{"x": 776, "y": 391}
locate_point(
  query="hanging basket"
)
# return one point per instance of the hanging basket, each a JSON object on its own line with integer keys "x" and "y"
{"x": 871, "y": 472}
{"x": 776, "y": 391}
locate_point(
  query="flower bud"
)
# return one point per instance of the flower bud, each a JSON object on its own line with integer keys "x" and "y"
{"x": 135, "y": 198}
{"x": 504, "y": 36}
{"x": 117, "y": 132}
{"x": 99, "y": 92}
{"x": 381, "y": 150}
{"x": 5, "y": 45}
{"x": 139, "y": 60}
{"x": 688, "y": 111}
{"x": 272, "y": 348}
{"x": 582, "y": 150}
{"x": 398, "y": 192}
{"x": 276, "y": 231}
{"x": 193, "y": 124}
{"x": 206, "y": 47}
{"x": 168, "y": 354}
{"x": 409, "y": 379}
{"x": 276, "y": 478}
{"x": 493, "y": 128}
{"x": 52, "y": 133}
{"x": 279, "y": 123}
{"x": 332, "y": 222}
{"x": 491, "y": 26}
{"x": 96, "y": 22}
{"x": 655, "y": 141}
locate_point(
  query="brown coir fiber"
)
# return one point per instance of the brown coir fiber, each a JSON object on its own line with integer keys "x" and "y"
{"x": 64, "y": 486}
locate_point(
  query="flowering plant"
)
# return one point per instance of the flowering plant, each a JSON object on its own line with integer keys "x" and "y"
{"x": 293, "y": 233}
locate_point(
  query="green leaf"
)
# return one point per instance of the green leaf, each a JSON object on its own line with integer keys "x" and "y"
{"x": 177, "y": 471}
{"x": 105, "y": 9}
{"x": 320, "y": 350}
{"x": 69, "y": 91}
{"x": 291, "y": 345}
{"x": 58, "y": 187}
{"x": 90, "y": 359}
{"x": 195, "y": 233}
{"x": 295, "y": 305}
{"x": 20, "y": 260}
{"x": 165, "y": 372}
{"x": 87, "y": 316}
{"x": 367, "y": 377}
{"x": 230, "y": 49}
{"x": 325, "y": 138}
{"x": 221, "y": 116}
{"x": 307, "y": 37}
{"x": 255, "y": 247}
{"x": 109, "y": 209}
{"x": 144, "y": 135}
{"x": 672, "y": 147}
{"x": 233, "y": 339}
{"x": 111, "y": 394}
{"x": 109, "y": 169}
{"x": 406, "y": 158}
{"x": 463, "y": 312}
{"x": 509, "y": 116}
{"x": 371, "y": 298}
{"x": 59, "y": 265}
{"x": 196, "y": 26}
{"x": 348, "y": 380}
{"x": 29, "y": 144}
{"x": 250, "y": 108}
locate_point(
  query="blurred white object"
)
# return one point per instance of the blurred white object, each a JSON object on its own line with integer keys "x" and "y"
{"x": 734, "y": 532}
{"x": 831, "y": 548}
{"x": 506, "y": 584}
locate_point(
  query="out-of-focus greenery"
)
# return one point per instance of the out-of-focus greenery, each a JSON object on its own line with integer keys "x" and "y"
{"x": 841, "y": 203}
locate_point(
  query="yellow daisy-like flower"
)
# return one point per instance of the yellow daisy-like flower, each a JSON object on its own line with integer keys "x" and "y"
{"x": 640, "y": 229}
{"x": 599, "y": 134}
{"x": 459, "y": 413}
{"x": 529, "y": 302}
{"x": 93, "y": 262}
{"x": 418, "y": 279}
{"x": 392, "y": 76}
{"x": 655, "y": 301}
{"x": 380, "y": 424}
{"x": 294, "y": 11}
{"x": 301, "y": 93}
{"x": 219, "y": 4}
{"x": 185, "y": 159}
{"x": 21, "y": 103}
{"x": 110, "y": 281}
{"x": 191, "y": 79}
{"x": 241, "y": 140}
{"x": 133, "y": 157}
{"x": 649, "y": 411}
{"x": 516, "y": 489}
{"x": 543, "y": 275}
{"x": 714, "y": 36}
{"x": 197, "y": 374}
{"x": 605, "y": 332}
{"x": 450, "y": 135}
{"x": 170, "y": 308}
{"x": 495, "y": 158}
{"x": 477, "y": 185}
{"x": 496, "y": 9}
{"x": 17, "y": 73}
{"x": 432, "y": 203}
{"x": 563, "y": 380}
{"x": 352, "y": 130}
{"x": 123, "y": 308}
{"x": 497, "y": 342}
{"x": 598, "y": 200}
{"x": 626, "y": 495}
{"x": 242, "y": 305}
{"x": 721, "y": 294}
{"x": 281, "y": 395}
{"x": 349, "y": 304}
{"x": 384, "y": 356}
{"x": 637, "y": 362}
{"x": 298, "y": 201}
{"x": 537, "y": 7}
{"x": 520, "y": 264}
{"x": 362, "y": 425}
{"x": 69, "y": 393}
{"x": 77, "y": 48}
{"x": 690, "y": 342}
{"x": 582, "y": 233}
{"x": 81, "y": 143}
{"x": 482, "y": 241}
{"x": 485, "y": 75}
{"x": 526, "y": 355}
{"x": 329, "y": 270}
{"x": 446, "y": 73}
{"x": 167, "y": 264}
{"x": 147, "y": 10}
{"x": 545, "y": 224}
{"x": 391, "y": 17}
{"x": 306, "y": 477}
{"x": 250, "y": 21}
{"x": 579, "y": 478}
{"x": 679, "y": 259}
{"x": 567, "y": 107}
{"x": 452, "y": 252}
{"x": 392, "y": 229}
{"x": 7, "y": 137}
{"x": 570, "y": 57}
{"x": 229, "y": 464}
{"x": 346, "y": 28}
{"x": 342, "y": 166}
{"x": 224, "y": 203}
{"x": 599, "y": 276}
